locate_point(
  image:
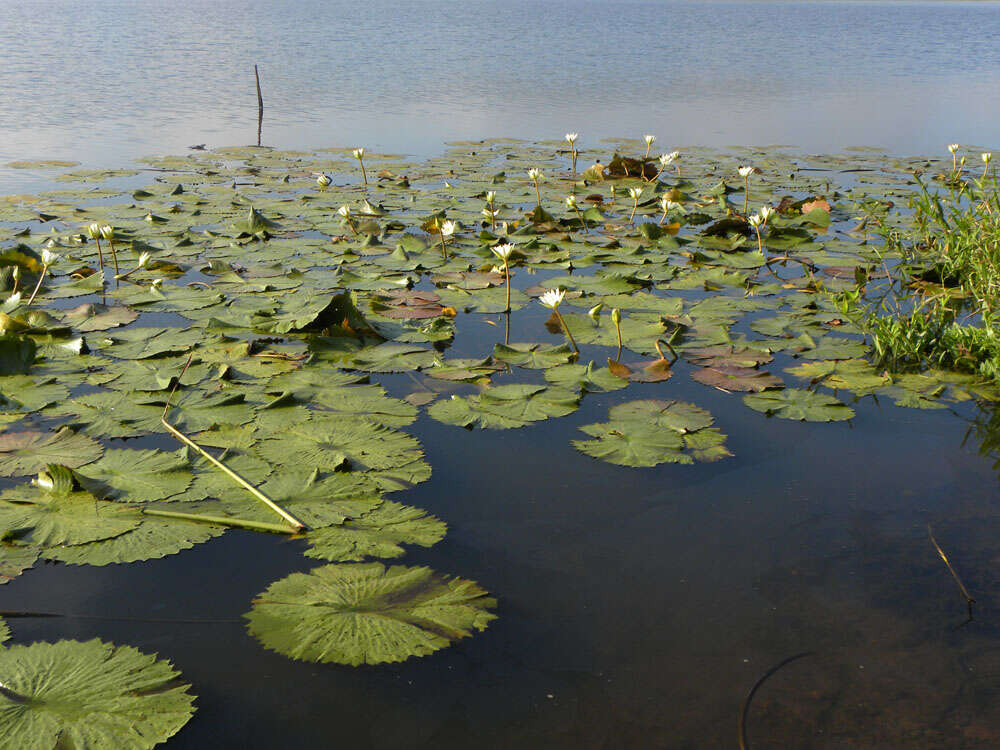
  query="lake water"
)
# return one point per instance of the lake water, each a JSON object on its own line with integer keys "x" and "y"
{"x": 637, "y": 606}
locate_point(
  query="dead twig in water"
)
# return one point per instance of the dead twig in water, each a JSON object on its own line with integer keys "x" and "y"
{"x": 295, "y": 523}
{"x": 744, "y": 744}
{"x": 965, "y": 592}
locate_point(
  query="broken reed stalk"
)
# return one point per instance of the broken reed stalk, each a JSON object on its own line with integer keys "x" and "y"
{"x": 275, "y": 528}
{"x": 295, "y": 523}
{"x": 260, "y": 105}
{"x": 745, "y": 708}
{"x": 965, "y": 592}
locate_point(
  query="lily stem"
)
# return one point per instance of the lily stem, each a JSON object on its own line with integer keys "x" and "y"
{"x": 38, "y": 285}
{"x": 565, "y": 327}
{"x": 506, "y": 273}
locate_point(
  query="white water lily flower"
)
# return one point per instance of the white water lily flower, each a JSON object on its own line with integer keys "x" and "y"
{"x": 766, "y": 212}
{"x": 16, "y": 273}
{"x": 535, "y": 174}
{"x": 108, "y": 232}
{"x": 649, "y": 139}
{"x": 94, "y": 230}
{"x": 358, "y": 153}
{"x": 755, "y": 221}
{"x": 323, "y": 181}
{"x": 552, "y": 298}
{"x": 953, "y": 147}
{"x": 156, "y": 284}
{"x": 503, "y": 252}
{"x": 448, "y": 228}
{"x": 49, "y": 257}
{"x": 667, "y": 159}
{"x": 490, "y": 214}
{"x": 571, "y": 138}
{"x": 635, "y": 193}
{"x": 745, "y": 171}
{"x": 143, "y": 260}
{"x": 491, "y": 195}
{"x": 571, "y": 201}
{"x": 987, "y": 158}
{"x": 344, "y": 211}
{"x": 668, "y": 205}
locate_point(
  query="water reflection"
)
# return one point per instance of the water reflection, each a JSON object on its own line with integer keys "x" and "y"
{"x": 155, "y": 79}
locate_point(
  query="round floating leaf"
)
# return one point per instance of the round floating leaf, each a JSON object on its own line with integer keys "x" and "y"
{"x": 90, "y": 694}
{"x": 367, "y": 614}
{"x": 136, "y": 476}
{"x": 505, "y": 407}
{"x": 154, "y": 538}
{"x": 30, "y": 452}
{"x": 393, "y": 358}
{"x": 330, "y": 443}
{"x": 793, "y": 403}
{"x": 647, "y": 433}
{"x": 728, "y": 378}
{"x": 23, "y": 392}
{"x": 675, "y": 415}
{"x": 14, "y": 560}
{"x": 97, "y": 317}
{"x": 585, "y": 378}
{"x": 632, "y": 444}
{"x": 377, "y": 533}
{"x": 535, "y": 356}
{"x": 73, "y": 518}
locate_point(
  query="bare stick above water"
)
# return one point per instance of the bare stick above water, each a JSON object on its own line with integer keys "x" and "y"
{"x": 260, "y": 104}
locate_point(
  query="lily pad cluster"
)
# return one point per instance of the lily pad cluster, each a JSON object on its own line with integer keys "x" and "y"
{"x": 270, "y": 318}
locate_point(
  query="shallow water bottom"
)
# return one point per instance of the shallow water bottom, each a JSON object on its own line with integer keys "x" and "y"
{"x": 637, "y": 607}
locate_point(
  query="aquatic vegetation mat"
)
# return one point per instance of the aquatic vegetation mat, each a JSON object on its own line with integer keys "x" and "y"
{"x": 240, "y": 339}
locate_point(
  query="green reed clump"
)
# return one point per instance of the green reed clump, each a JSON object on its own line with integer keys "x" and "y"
{"x": 940, "y": 306}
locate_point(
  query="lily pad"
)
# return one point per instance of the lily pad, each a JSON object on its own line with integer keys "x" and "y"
{"x": 380, "y": 532}
{"x": 797, "y": 404}
{"x": 89, "y": 694}
{"x": 30, "y": 452}
{"x": 367, "y": 614}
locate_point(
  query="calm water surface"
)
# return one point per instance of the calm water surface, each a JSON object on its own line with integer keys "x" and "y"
{"x": 107, "y": 80}
{"x": 637, "y": 606}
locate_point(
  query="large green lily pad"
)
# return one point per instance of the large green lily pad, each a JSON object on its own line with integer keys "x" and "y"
{"x": 367, "y": 613}
{"x": 89, "y": 694}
